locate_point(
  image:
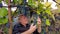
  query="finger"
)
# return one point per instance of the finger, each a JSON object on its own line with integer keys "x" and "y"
{"x": 32, "y": 24}
{"x": 35, "y": 26}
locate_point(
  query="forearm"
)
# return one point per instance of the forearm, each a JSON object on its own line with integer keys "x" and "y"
{"x": 27, "y": 32}
{"x": 39, "y": 29}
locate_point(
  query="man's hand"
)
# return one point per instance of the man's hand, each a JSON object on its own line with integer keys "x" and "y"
{"x": 39, "y": 24}
{"x": 31, "y": 29}
{"x": 38, "y": 21}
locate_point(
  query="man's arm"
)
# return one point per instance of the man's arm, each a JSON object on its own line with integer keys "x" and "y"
{"x": 39, "y": 29}
{"x": 16, "y": 31}
{"x": 39, "y": 25}
{"x": 27, "y": 32}
{"x": 31, "y": 30}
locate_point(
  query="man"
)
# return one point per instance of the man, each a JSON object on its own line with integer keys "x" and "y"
{"x": 24, "y": 28}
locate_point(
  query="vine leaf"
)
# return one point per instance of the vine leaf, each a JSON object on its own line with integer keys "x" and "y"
{"x": 3, "y": 12}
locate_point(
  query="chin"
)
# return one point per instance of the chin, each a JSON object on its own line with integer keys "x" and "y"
{"x": 26, "y": 23}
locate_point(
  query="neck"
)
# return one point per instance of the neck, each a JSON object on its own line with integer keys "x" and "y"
{"x": 23, "y": 24}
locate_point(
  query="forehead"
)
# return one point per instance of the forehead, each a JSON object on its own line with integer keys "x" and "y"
{"x": 22, "y": 16}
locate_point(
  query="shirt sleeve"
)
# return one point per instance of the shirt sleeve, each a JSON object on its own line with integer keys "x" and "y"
{"x": 36, "y": 32}
{"x": 16, "y": 30}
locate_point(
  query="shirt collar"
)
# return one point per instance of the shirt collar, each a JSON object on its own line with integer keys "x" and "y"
{"x": 27, "y": 25}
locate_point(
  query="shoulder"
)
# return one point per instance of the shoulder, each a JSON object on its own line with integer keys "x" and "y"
{"x": 17, "y": 25}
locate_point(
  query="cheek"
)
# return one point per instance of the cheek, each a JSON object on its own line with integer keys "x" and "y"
{"x": 26, "y": 20}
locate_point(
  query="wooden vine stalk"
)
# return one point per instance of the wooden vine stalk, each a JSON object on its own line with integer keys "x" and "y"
{"x": 9, "y": 17}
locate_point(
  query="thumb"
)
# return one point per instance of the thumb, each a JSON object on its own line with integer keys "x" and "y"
{"x": 32, "y": 24}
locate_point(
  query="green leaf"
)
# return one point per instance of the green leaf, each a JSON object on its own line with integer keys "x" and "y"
{"x": 0, "y": 21}
{"x": 50, "y": 13}
{"x": 18, "y": 1}
{"x": 47, "y": 4}
{"x": 3, "y": 20}
{"x": 0, "y": 0}
{"x": 38, "y": 12}
{"x": 32, "y": 3}
{"x": 40, "y": 7}
{"x": 48, "y": 22}
{"x": 39, "y": 1}
{"x": 15, "y": 1}
{"x": 6, "y": 1}
{"x": 5, "y": 30}
{"x": 3, "y": 12}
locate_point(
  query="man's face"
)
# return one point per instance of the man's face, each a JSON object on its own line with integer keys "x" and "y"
{"x": 23, "y": 19}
